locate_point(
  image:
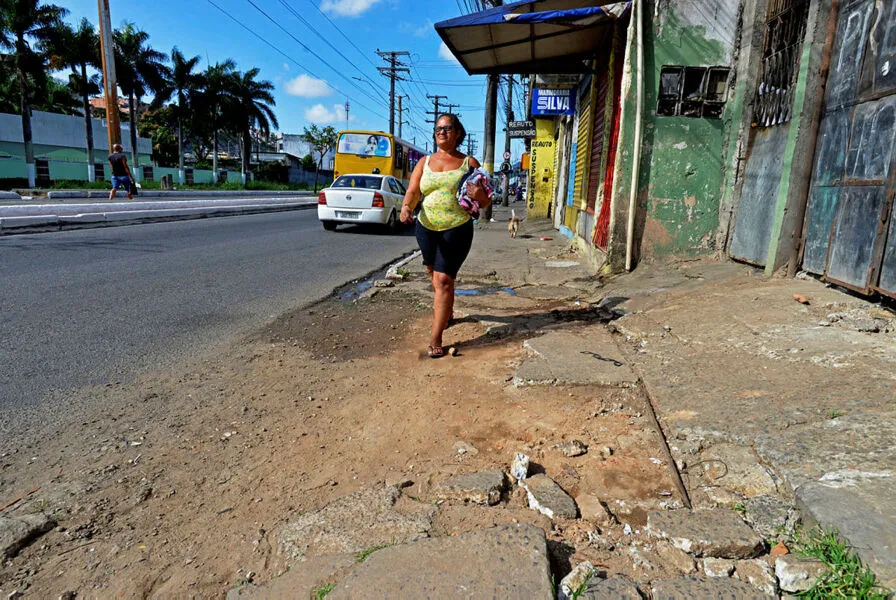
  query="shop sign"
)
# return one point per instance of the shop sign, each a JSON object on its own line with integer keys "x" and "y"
{"x": 521, "y": 129}
{"x": 553, "y": 102}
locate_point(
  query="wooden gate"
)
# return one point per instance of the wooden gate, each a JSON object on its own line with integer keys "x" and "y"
{"x": 849, "y": 235}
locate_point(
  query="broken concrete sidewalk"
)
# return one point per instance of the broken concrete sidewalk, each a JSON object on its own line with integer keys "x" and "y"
{"x": 589, "y": 356}
{"x": 503, "y": 562}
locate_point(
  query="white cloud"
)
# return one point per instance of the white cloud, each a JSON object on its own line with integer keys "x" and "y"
{"x": 445, "y": 53}
{"x": 320, "y": 114}
{"x": 305, "y": 86}
{"x": 347, "y": 8}
{"x": 286, "y": 66}
{"x": 416, "y": 31}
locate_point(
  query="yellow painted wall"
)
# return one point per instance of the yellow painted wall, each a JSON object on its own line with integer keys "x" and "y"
{"x": 541, "y": 172}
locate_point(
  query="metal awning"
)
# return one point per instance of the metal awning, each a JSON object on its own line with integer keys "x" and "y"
{"x": 532, "y": 36}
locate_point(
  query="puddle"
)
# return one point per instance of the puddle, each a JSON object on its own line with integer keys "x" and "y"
{"x": 356, "y": 290}
{"x": 484, "y": 291}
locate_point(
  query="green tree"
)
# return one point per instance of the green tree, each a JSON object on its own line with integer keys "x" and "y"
{"x": 308, "y": 163}
{"x": 161, "y": 125}
{"x": 251, "y": 101}
{"x": 321, "y": 140}
{"x": 212, "y": 104}
{"x": 181, "y": 85}
{"x": 24, "y": 26}
{"x": 140, "y": 69}
{"x": 78, "y": 49}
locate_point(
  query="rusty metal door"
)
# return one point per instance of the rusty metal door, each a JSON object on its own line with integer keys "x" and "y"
{"x": 773, "y": 102}
{"x": 849, "y": 236}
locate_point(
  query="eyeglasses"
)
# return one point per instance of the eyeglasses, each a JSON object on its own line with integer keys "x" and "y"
{"x": 443, "y": 128}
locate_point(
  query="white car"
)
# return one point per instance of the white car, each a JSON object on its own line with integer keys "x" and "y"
{"x": 363, "y": 198}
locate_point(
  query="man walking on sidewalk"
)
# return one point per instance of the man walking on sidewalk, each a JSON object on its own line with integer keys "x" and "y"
{"x": 121, "y": 172}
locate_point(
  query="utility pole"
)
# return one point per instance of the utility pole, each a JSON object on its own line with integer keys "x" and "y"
{"x": 395, "y": 67}
{"x": 435, "y": 114}
{"x": 347, "y": 106}
{"x": 508, "y": 117}
{"x": 400, "y": 114}
{"x": 471, "y": 144}
{"x": 450, "y": 108}
{"x": 488, "y": 148}
{"x": 110, "y": 83}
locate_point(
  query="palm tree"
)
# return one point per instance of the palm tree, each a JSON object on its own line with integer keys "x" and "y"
{"x": 181, "y": 85}
{"x": 140, "y": 69}
{"x": 79, "y": 49}
{"x": 214, "y": 99}
{"x": 23, "y": 22}
{"x": 252, "y": 101}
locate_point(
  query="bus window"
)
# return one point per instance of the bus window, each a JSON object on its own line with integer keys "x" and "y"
{"x": 362, "y": 144}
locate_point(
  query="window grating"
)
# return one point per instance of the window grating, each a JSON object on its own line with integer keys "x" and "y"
{"x": 784, "y": 32}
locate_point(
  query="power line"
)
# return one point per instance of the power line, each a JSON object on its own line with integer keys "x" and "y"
{"x": 342, "y": 33}
{"x": 301, "y": 19}
{"x": 287, "y": 56}
{"x": 305, "y": 47}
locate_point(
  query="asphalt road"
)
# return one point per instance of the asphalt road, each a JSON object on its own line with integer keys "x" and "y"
{"x": 94, "y": 306}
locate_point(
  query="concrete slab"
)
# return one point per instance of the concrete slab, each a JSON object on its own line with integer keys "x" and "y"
{"x": 689, "y": 588}
{"x": 354, "y": 523}
{"x": 548, "y": 498}
{"x": 504, "y": 562}
{"x": 479, "y": 488}
{"x": 589, "y": 356}
{"x": 614, "y": 588}
{"x": 19, "y": 531}
{"x": 301, "y": 579}
{"x": 716, "y": 533}
{"x": 862, "y": 508}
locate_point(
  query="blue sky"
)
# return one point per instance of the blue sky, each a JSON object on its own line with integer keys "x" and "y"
{"x": 344, "y": 34}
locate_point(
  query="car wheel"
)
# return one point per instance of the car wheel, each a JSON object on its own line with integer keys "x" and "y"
{"x": 329, "y": 225}
{"x": 392, "y": 225}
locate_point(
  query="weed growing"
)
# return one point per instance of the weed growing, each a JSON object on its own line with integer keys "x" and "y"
{"x": 319, "y": 593}
{"x": 847, "y": 577}
{"x": 365, "y": 554}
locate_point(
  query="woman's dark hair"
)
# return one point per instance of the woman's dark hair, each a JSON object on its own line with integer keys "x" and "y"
{"x": 458, "y": 126}
{"x": 375, "y": 139}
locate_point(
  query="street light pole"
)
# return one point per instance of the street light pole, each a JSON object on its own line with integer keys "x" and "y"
{"x": 110, "y": 81}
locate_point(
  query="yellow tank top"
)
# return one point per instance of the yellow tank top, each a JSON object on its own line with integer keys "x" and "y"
{"x": 441, "y": 210}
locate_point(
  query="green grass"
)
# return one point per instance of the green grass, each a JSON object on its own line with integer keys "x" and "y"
{"x": 365, "y": 554}
{"x": 267, "y": 186}
{"x": 319, "y": 593}
{"x": 847, "y": 577}
{"x": 581, "y": 589}
{"x": 833, "y": 414}
{"x": 739, "y": 507}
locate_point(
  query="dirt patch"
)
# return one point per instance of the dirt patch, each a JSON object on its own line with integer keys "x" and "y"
{"x": 181, "y": 489}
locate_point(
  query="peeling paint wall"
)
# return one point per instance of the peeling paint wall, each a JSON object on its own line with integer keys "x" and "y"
{"x": 683, "y": 157}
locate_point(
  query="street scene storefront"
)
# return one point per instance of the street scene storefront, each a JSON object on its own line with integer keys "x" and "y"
{"x": 672, "y": 128}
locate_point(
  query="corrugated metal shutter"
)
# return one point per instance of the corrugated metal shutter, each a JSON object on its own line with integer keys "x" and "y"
{"x": 598, "y": 134}
{"x": 583, "y": 142}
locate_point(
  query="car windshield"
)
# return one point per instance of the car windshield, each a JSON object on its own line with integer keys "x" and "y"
{"x": 358, "y": 181}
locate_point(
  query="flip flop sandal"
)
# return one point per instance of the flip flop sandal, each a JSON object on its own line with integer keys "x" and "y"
{"x": 436, "y": 351}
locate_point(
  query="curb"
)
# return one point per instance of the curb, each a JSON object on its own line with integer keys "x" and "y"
{"x": 42, "y": 223}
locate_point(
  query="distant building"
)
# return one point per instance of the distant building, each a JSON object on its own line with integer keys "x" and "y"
{"x": 60, "y": 146}
{"x": 292, "y": 144}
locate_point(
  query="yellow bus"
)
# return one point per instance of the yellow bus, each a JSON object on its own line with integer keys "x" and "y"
{"x": 375, "y": 152}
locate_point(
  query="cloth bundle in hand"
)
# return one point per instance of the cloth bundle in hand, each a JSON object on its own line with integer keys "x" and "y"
{"x": 473, "y": 177}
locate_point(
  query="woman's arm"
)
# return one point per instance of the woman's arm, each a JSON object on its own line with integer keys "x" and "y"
{"x": 479, "y": 195}
{"x": 413, "y": 195}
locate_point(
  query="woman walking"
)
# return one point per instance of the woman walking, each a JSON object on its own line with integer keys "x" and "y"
{"x": 444, "y": 229}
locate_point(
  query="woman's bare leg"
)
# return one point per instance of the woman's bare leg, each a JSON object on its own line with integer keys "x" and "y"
{"x": 443, "y": 305}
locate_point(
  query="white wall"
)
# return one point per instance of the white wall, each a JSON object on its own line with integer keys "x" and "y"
{"x": 52, "y": 129}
